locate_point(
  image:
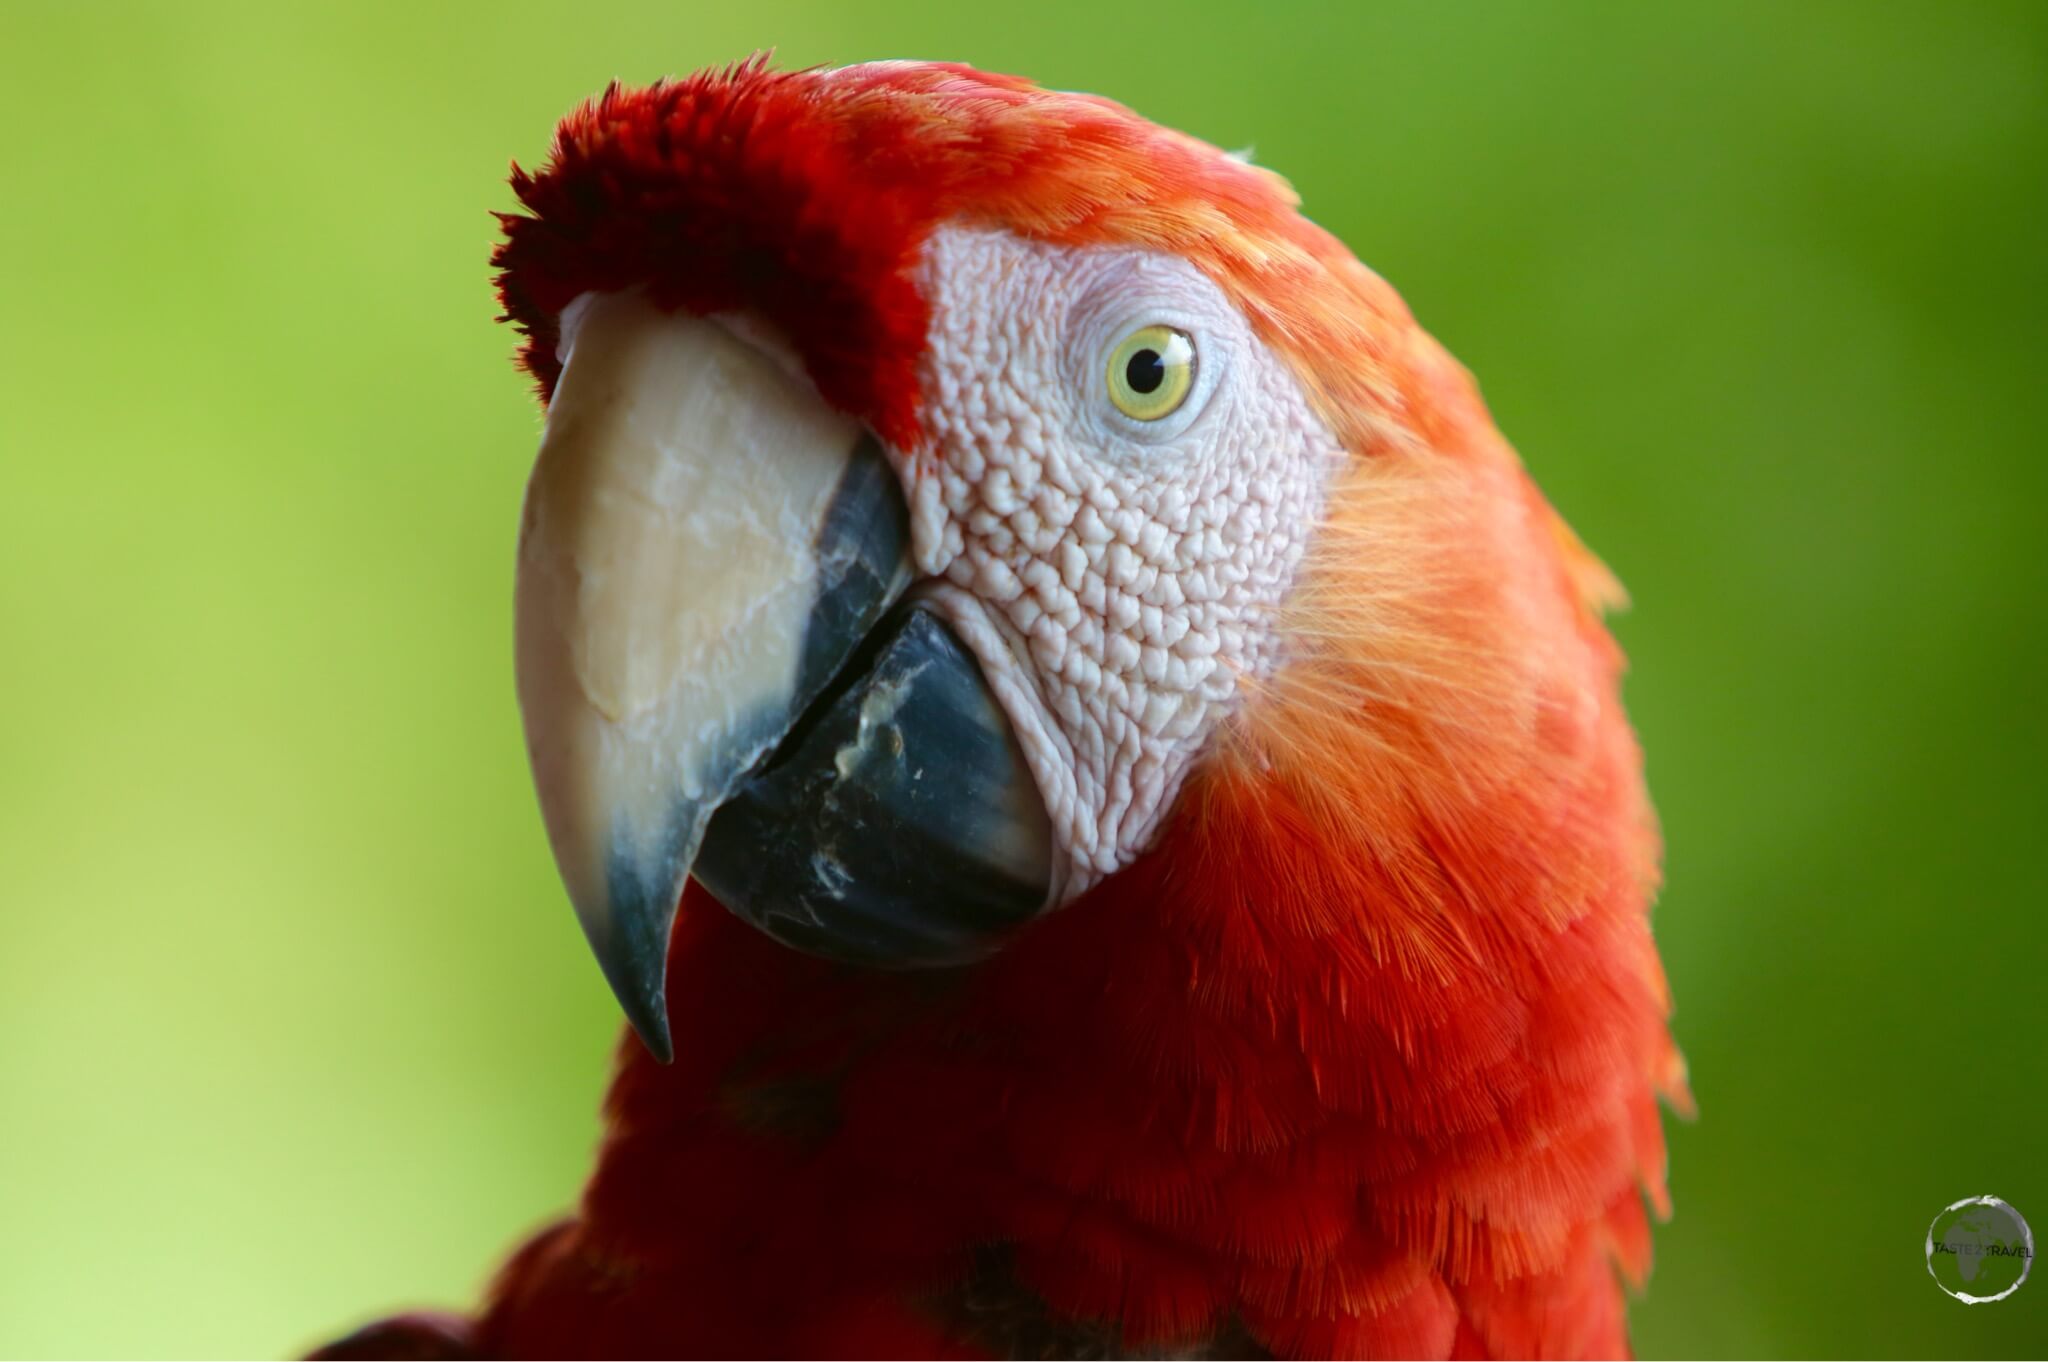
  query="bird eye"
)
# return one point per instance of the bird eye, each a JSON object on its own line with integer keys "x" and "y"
{"x": 1151, "y": 372}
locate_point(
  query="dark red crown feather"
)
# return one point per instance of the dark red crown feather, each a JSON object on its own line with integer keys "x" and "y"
{"x": 720, "y": 192}
{"x": 805, "y": 197}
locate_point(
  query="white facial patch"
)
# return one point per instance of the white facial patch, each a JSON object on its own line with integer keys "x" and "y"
{"x": 1117, "y": 579}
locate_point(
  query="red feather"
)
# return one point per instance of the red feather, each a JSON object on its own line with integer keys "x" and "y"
{"x": 1361, "y": 1059}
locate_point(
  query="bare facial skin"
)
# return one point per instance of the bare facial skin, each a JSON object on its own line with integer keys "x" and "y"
{"x": 1117, "y": 578}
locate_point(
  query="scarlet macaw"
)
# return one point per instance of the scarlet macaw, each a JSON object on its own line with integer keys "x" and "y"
{"x": 1171, "y": 865}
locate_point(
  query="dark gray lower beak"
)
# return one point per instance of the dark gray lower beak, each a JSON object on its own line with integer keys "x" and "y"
{"x": 709, "y": 682}
{"x": 899, "y": 825}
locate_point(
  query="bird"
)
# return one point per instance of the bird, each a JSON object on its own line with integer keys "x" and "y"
{"x": 1097, "y": 778}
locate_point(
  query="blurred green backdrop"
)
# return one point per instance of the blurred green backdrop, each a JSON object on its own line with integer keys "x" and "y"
{"x": 294, "y": 1024}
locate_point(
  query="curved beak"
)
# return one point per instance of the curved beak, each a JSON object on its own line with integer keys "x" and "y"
{"x": 706, "y": 550}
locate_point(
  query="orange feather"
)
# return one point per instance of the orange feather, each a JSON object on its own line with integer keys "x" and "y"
{"x": 1363, "y": 1058}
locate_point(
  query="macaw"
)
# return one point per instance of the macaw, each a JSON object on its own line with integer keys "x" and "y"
{"x": 1094, "y": 773}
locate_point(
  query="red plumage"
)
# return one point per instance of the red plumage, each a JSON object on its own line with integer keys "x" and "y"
{"x": 1361, "y": 1059}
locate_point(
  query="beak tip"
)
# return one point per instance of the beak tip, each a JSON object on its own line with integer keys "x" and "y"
{"x": 643, "y": 997}
{"x": 630, "y": 936}
{"x": 652, "y": 1029}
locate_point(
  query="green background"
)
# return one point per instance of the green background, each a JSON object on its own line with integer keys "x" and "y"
{"x": 294, "y": 1024}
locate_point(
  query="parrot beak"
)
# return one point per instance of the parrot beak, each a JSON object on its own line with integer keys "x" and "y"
{"x": 710, "y": 674}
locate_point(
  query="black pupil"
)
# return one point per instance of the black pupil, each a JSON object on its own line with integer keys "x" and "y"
{"x": 1145, "y": 372}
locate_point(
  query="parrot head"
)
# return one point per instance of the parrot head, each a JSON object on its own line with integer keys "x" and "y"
{"x": 1052, "y": 684}
{"x": 956, "y": 494}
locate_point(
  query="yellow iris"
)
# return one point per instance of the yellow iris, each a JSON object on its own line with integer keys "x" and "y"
{"x": 1151, "y": 372}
